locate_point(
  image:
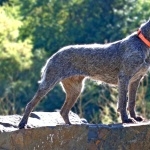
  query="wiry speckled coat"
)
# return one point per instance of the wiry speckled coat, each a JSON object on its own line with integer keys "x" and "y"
{"x": 121, "y": 63}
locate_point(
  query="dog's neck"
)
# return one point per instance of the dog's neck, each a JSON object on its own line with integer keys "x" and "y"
{"x": 142, "y": 37}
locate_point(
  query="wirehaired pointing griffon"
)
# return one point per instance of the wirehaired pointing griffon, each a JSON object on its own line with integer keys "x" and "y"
{"x": 123, "y": 63}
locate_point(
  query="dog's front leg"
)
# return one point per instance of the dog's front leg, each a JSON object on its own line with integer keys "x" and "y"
{"x": 133, "y": 86}
{"x": 123, "y": 82}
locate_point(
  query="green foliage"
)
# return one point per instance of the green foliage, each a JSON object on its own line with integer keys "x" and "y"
{"x": 15, "y": 58}
{"x": 59, "y": 23}
{"x": 32, "y": 30}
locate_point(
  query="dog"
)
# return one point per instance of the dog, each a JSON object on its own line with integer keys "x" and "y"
{"x": 122, "y": 63}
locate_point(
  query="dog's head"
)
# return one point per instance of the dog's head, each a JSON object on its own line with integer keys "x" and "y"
{"x": 145, "y": 29}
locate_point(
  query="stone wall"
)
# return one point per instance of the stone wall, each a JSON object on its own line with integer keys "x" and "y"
{"x": 76, "y": 137}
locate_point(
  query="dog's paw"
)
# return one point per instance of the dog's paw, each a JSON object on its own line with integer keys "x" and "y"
{"x": 22, "y": 125}
{"x": 129, "y": 120}
{"x": 139, "y": 118}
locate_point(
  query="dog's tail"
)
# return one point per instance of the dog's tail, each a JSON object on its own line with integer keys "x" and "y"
{"x": 43, "y": 70}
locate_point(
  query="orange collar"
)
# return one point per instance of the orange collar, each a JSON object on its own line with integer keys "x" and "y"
{"x": 141, "y": 36}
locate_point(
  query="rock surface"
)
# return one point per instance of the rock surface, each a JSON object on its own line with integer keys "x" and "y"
{"x": 51, "y": 136}
{"x": 37, "y": 119}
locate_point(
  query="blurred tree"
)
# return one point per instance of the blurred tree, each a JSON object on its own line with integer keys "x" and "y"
{"x": 50, "y": 24}
{"x": 3, "y": 1}
{"x": 53, "y": 24}
{"x": 15, "y": 58}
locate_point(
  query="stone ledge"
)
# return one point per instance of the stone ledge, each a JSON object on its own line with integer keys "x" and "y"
{"x": 48, "y": 132}
{"x": 119, "y": 137}
{"x": 79, "y": 137}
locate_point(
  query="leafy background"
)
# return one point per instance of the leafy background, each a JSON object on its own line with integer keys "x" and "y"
{"x": 32, "y": 30}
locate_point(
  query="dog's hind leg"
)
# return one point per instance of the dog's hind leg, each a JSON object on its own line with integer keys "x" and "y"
{"x": 133, "y": 86}
{"x": 43, "y": 89}
{"x": 73, "y": 88}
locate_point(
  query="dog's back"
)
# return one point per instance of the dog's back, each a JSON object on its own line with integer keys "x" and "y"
{"x": 100, "y": 62}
